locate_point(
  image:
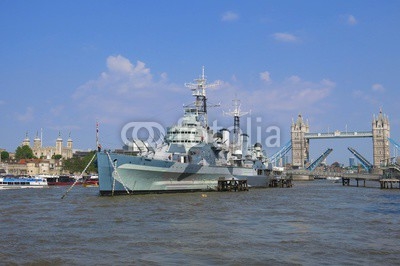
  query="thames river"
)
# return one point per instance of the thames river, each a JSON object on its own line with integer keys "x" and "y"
{"x": 312, "y": 223}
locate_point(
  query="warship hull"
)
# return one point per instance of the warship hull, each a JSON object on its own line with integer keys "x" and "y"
{"x": 120, "y": 174}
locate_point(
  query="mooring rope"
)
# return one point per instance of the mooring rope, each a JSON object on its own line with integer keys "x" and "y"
{"x": 66, "y": 192}
{"x": 116, "y": 174}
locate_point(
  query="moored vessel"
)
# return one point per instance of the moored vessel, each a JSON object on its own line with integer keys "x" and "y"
{"x": 92, "y": 181}
{"x": 62, "y": 180}
{"x": 22, "y": 182}
{"x": 191, "y": 158}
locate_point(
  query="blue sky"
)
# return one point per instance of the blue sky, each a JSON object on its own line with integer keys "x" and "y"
{"x": 67, "y": 64}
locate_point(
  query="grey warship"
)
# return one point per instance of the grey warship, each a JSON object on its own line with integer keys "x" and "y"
{"x": 192, "y": 157}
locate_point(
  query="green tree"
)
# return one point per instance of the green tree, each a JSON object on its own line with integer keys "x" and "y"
{"x": 77, "y": 164}
{"x": 24, "y": 152}
{"x": 56, "y": 156}
{"x": 5, "y": 155}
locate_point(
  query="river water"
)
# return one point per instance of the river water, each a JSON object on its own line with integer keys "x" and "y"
{"x": 312, "y": 223}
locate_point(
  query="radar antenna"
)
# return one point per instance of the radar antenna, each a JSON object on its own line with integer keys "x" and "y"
{"x": 236, "y": 113}
{"x": 199, "y": 92}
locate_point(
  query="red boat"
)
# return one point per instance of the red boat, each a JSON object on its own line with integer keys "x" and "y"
{"x": 92, "y": 181}
{"x": 62, "y": 180}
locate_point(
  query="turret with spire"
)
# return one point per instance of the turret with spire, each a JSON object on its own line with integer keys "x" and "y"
{"x": 300, "y": 145}
{"x": 26, "y": 141}
{"x": 37, "y": 142}
{"x": 59, "y": 142}
{"x": 380, "y": 135}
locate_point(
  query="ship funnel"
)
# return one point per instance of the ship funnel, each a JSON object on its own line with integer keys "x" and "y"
{"x": 238, "y": 154}
{"x": 218, "y": 137}
{"x": 225, "y": 137}
{"x": 258, "y": 149}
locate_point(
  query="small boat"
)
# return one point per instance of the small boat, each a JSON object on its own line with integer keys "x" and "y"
{"x": 22, "y": 182}
{"x": 334, "y": 179}
{"x": 62, "y": 180}
{"x": 92, "y": 181}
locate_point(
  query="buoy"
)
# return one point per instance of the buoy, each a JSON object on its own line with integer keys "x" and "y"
{"x": 204, "y": 195}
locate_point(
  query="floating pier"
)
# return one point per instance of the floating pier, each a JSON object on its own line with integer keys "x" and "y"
{"x": 232, "y": 185}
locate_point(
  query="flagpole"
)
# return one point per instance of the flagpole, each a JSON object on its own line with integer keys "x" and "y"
{"x": 97, "y": 137}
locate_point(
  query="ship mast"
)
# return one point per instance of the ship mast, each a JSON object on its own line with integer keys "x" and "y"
{"x": 199, "y": 92}
{"x": 236, "y": 113}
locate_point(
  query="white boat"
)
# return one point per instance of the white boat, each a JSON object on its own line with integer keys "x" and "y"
{"x": 333, "y": 178}
{"x": 22, "y": 182}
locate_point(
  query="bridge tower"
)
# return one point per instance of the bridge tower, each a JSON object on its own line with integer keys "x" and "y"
{"x": 300, "y": 144}
{"x": 380, "y": 135}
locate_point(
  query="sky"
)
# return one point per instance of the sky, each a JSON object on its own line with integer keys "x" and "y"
{"x": 67, "y": 65}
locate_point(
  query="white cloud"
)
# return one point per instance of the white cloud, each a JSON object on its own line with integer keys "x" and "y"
{"x": 361, "y": 95}
{"x": 371, "y": 97}
{"x": 128, "y": 92}
{"x": 27, "y": 116}
{"x": 122, "y": 77}
{"x": 121, "y": 64}
{"x": 290, "y": 95}
{"x": 164, "y": 76}
{"x": 328, "y": 83}
{"x": 125, "y": 91}
{"x": 378, "y": 87}
{"x": 57, "y": 110}
{"x": 296, "y": 94}
{"x": 348, "y": 19}
{"x": 351, "y": 20}
{"x": 230, "y": 16}
{"x": 285, "y": 37}
{"x": 265, "y": 76}
{"x": 294, "y": 79}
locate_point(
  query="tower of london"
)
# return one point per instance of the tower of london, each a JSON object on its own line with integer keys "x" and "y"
{"x": 48, "y": 152}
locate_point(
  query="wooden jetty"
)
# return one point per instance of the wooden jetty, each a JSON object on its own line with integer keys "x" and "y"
{"x": 389, "y": 183}
{"x": 346, "y": 180}
{"x": 385, "y": 183}
{"x": 280, "y": 182}
{"x": 232, "y": 185}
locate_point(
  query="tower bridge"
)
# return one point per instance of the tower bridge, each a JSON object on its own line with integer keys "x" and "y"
{"x": 301, "y": 135}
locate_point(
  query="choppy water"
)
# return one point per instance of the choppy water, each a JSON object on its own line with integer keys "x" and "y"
{"x": 312, "y": 223}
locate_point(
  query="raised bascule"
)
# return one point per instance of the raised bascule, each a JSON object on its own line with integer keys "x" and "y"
{"x": 301, "y": 136}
